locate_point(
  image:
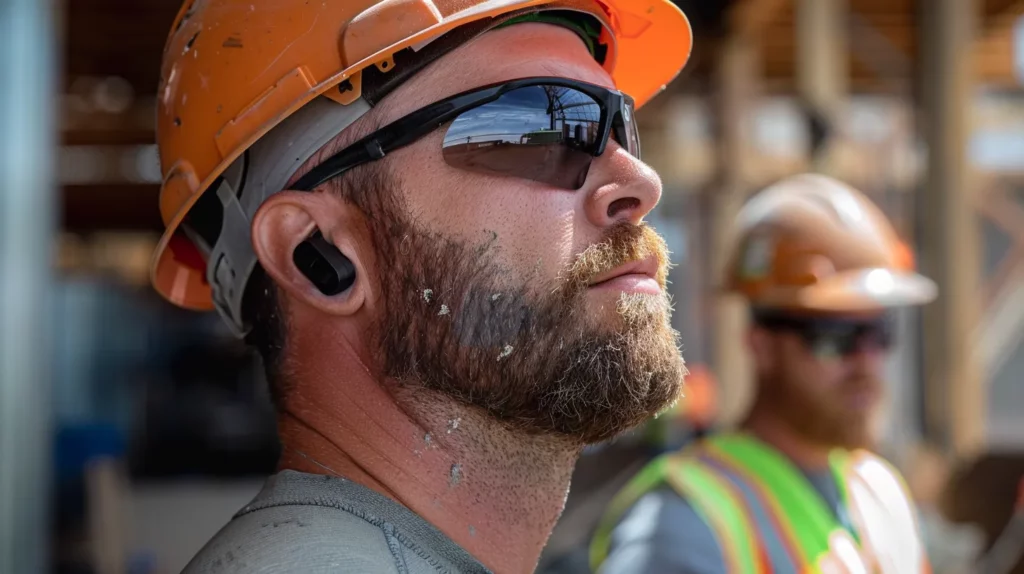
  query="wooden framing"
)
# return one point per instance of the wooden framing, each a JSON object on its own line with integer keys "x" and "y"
{"x": 735, "y": 76}
{"x": 955, "y": 391}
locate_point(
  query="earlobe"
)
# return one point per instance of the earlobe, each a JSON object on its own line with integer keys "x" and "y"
{"x": 319, "y": 268}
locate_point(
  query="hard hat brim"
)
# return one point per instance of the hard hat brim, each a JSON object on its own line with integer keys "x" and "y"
{"x": 854, "y": 291}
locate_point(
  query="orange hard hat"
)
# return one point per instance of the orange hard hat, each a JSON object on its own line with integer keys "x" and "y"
{"x": 812, "y": 243}
{"x": 239, "y": 73}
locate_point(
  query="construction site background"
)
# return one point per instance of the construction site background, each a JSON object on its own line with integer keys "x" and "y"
{"x": 130, "y": 430}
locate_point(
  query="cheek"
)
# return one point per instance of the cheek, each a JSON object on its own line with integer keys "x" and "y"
{"x": 821, "y": 378}
{"x": 525, "y": 226}
{"x": 810, "y": 375}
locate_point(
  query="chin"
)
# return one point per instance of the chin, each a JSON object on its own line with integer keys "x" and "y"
{"x": 857, "y": 436}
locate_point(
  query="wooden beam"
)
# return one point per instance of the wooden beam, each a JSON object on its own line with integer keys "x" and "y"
{"x": 1008, "y": 216}
{"x": 822, "y": 64}
{"x": 996, "y": 11}
{"x": 1002, "y": 328}
{"x": 954, "y": 382}
{"x": 994, "y": 51}
{"x": 874, "y": 49}
{"x": 749, "y": 18}
{"x": 736, "y": 78}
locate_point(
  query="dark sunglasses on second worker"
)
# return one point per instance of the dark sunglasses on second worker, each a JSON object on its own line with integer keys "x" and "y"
{"x": 541, "y": 129}
{"x": 832, "y": 336}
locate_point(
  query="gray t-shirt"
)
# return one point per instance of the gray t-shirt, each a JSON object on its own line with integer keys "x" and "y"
{"x": 311, "y": 523}
{"x": 663, "y": 533}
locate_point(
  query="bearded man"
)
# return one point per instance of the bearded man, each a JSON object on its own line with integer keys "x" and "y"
{"x": 428, "y": 217}
{"x": 796, "y": 488}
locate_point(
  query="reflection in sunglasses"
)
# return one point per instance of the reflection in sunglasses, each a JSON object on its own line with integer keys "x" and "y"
{"x": 542, "y": 133}
{"x": 565, "y": 122}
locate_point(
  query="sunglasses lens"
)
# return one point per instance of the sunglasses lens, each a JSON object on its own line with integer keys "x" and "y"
{"x": 542, "y": 133}
{"x": 845, "y": 339}
{"x": 831, "y": 338}
{"x": 827, "y": 345}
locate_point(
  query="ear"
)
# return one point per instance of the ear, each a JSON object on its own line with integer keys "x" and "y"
{"x": 288, "y": 218}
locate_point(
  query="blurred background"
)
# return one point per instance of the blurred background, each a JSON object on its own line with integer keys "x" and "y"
{"x": 131, "y": 431}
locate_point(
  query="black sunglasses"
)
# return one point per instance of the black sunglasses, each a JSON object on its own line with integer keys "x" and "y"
{"x": 542, "y": 129}
{"x": 830, "y": 336}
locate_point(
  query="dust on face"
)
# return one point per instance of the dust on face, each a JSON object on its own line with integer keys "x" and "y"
{"x": 532, "y": 357}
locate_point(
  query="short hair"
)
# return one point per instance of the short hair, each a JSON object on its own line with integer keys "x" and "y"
{"x": 364, "y": 187}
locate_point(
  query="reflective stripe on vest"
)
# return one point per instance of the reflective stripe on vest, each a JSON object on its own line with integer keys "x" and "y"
{"x": 811, "y": 535}
{"x": 720, "y": 505}
{"x": 805, "y": 519}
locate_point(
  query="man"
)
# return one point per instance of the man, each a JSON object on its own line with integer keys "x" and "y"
{"x": 793, "y": 490}
{"x": 428, "y": 217}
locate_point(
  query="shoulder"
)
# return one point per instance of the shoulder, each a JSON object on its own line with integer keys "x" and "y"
{"x": 880, "y": 502}
{"x": 662, "y": 532}
{"x": 295, "y": 538}
{"x": 879, "y": 477}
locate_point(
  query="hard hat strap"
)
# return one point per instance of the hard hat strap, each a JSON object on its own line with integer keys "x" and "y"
{"x": 219, "y": 223}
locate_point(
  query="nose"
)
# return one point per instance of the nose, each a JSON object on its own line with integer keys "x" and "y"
{"x": 621, "y": 188}
{"x": 868, "y": 359}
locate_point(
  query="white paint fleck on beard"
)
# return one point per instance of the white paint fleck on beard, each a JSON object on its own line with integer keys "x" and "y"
{"x": 539, "y": 363}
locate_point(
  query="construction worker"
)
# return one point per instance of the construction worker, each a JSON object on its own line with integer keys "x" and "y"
{"x": 794, "y": 489}
{"x": 427, "y": 215}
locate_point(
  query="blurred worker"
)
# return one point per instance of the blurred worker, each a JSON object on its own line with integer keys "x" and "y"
{"x": 792, "y": 490}
{"x": 427, "y": 216}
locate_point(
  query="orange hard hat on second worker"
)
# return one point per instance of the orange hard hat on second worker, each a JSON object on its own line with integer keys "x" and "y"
{"x": 813, "y": 244}
{"x": 250, "y": 90}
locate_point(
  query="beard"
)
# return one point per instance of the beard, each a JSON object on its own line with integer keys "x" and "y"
{"x": 528, "y": 352}
{"x": 820, "y": 417}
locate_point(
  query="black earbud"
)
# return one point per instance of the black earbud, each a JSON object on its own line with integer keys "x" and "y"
{"x": 324, "y": 265}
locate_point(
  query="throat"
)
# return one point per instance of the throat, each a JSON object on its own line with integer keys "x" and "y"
{"x": 510, "y": 485}
{"x": 493, "y": 490}
{"x": 806, "y": 454}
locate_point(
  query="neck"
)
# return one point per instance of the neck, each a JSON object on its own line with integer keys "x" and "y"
{"x": 766, "y": 425}
{"x": 494, "y": 491}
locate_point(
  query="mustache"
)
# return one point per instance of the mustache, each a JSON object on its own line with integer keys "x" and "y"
{"x": 862, "y": 383}
{"x": 623, "y": 243}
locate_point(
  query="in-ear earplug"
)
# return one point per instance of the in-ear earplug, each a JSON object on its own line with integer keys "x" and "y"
{"x": 324, "y": 265}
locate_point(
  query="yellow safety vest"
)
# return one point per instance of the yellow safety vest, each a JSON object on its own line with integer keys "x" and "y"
{"x": 884, "y": 537}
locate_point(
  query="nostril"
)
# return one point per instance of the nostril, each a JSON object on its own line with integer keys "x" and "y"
{"x": 622, "y": 204}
